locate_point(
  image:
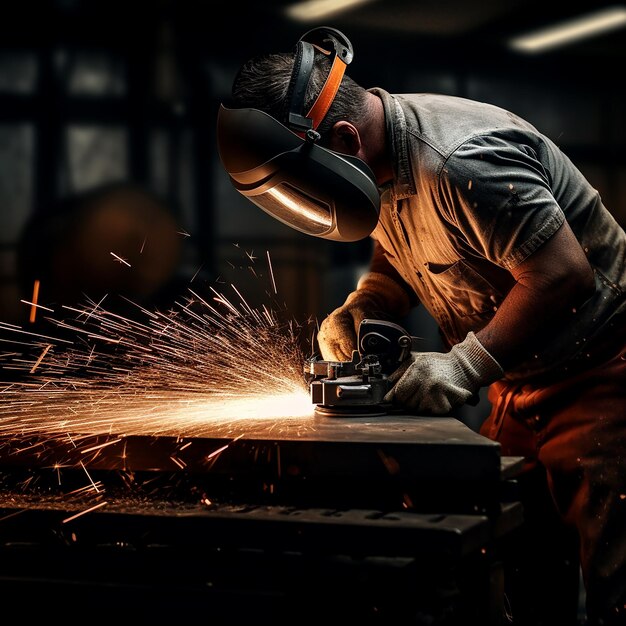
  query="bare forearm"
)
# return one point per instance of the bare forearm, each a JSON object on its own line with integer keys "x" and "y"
{"x": 549, "y": 287}
{"x": 525, "y": 320}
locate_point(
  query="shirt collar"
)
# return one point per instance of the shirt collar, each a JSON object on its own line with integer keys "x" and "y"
{"x": 402, "y": 185}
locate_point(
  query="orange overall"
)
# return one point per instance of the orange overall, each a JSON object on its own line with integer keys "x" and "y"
{"x": 572, "y": 433}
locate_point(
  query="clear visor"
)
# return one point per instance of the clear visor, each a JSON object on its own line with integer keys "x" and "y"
{"x": 294, "y": 208}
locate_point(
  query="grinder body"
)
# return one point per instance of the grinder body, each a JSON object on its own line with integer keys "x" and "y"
{"x": 358, "y": 387}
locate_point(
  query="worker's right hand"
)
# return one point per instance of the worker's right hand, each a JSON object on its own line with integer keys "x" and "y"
{"x": 377, "y": 297}
{"x": 337, "y": 337}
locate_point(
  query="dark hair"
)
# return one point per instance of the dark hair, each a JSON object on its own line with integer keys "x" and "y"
{"x": 262, "y": 83}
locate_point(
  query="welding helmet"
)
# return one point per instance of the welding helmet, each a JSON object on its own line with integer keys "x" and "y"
{"x": 282, "y": 169}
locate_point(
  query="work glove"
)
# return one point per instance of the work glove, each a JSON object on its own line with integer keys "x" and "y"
{"x": 436, "y": 382}
{"x": 377, "y": 296}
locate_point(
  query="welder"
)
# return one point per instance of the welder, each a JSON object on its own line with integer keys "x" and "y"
{"x": 483, "y": 220}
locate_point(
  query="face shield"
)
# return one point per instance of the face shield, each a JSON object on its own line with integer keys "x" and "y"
{"x": 285, "y": 172}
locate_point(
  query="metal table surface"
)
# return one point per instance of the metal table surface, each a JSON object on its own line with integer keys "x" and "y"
{"x": 423, "y": 463}
{"x": 389, "y": 519}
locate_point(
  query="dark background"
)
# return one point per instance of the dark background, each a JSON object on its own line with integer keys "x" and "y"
{"x": 96, "y": 94}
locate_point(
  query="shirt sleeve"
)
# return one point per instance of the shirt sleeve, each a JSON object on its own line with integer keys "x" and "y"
{"x": 497, "y": 193}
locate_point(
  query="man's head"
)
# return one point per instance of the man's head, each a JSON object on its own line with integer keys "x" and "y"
{"x": 263, "y": 83}
{"x": 292, "y": 141}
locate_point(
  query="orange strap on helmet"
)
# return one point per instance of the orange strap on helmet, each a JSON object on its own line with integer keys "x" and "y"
{"x": 326, "y": 96}
{"x": 342, "y": 53}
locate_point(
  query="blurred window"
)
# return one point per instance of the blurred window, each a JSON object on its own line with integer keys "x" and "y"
{"x": 92, "y": 74}
{"x": 95, "y": 155}
{"x": 16, "y": 178}
{"x": 18, "y": 72}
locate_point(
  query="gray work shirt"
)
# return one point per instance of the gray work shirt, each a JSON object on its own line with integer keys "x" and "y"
{"x": 477, "y": 190}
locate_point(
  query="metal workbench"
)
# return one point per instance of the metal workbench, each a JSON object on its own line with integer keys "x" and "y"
{"x": 396, "y": 518}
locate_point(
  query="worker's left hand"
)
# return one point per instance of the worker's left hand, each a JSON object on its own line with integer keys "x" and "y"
{"x": 436, "y": 382}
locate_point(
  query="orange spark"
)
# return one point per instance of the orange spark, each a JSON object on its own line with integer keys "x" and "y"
{"x": 90, "y": 479}
{"x": 33, "y": 308}
{"x": 93, "y": 508}
{"x": 216, "y": 452}
{"x": 269, "y": 263}
{"x": 37, "y": 306}
{"x": 197, "y": 272}
{"x": 10, "y": 515}
{"x": 120, "y": 259}
{"x": 40, "y": 359}
{"x": 216, "y": 364}
{"x": 178, "y": 462}
{"x": 100, "y": 446}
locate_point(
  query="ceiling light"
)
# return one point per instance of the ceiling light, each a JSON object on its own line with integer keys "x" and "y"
{"x": 570, "y": 30}
{"x": 311, "y": 10}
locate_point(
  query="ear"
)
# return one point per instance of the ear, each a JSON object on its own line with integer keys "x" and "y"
{"x": 345, "y": 138}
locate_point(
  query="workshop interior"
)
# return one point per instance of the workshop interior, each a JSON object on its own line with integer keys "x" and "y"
{"x": 172, "y": 444}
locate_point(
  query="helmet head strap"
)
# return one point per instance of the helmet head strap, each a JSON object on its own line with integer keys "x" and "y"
{"x": 328, "y": 41}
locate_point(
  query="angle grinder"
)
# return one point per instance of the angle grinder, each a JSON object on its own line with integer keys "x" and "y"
{"x": 357, "y": 388}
